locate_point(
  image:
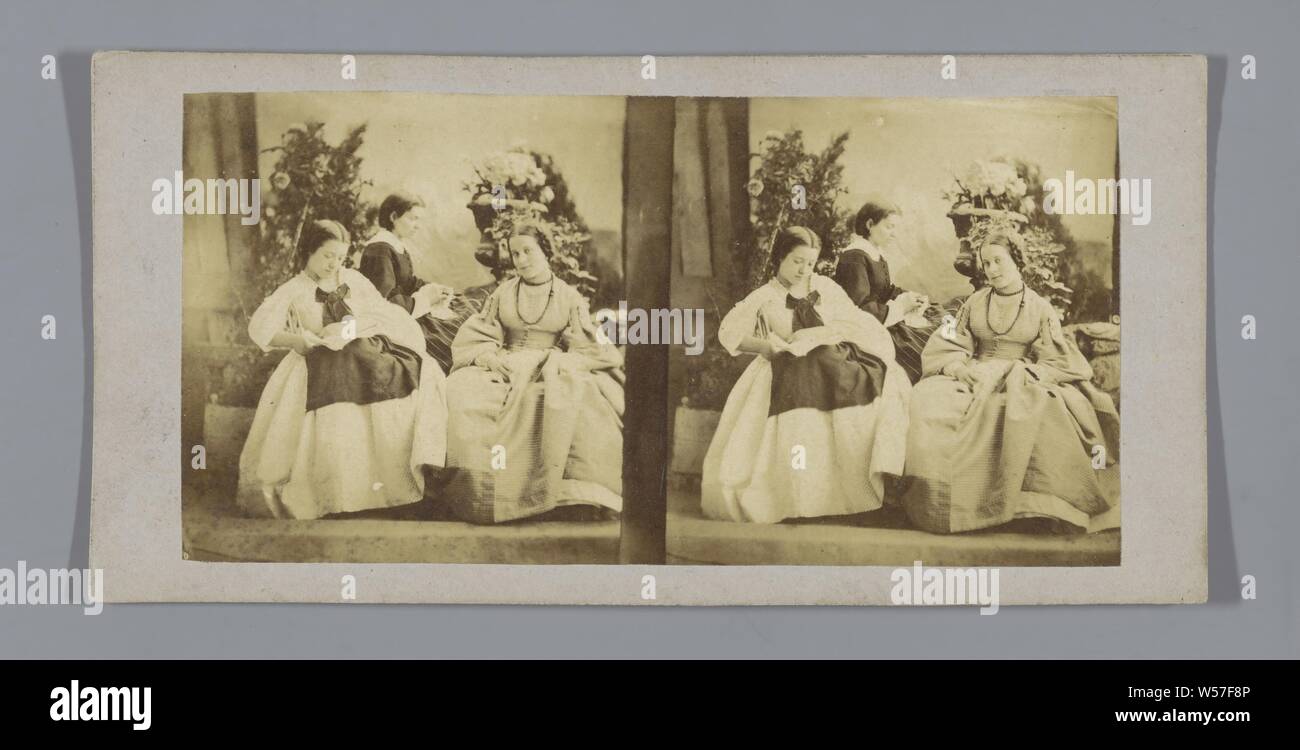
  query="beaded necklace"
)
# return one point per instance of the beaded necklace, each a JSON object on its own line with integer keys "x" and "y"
{"x": 988, "y": 311}
{"x": 519, "y": 308}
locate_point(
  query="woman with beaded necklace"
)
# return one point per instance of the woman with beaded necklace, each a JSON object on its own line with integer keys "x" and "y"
{"x": 1006, "y": 425}
{"x": 536, "y": 400}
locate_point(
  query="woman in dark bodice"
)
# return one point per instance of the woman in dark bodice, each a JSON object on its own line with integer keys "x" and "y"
{"x": 386, "y": 261}
{"x": 863, "y": 272}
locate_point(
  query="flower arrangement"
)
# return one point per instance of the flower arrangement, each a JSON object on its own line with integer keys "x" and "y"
{"x": 992, "y": 184}
{"x": 520, "y": 183}
{"x": 1004, "y": 195}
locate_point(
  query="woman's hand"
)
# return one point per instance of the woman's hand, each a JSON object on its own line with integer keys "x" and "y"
{"x": 492, "y": 362}
{"x": 912, "y": 301}
{"x": 429, "y": 298}
{"x": 434, "y": 294}
{"x": 304, "y": 342}
{"x": 963, "y": 373}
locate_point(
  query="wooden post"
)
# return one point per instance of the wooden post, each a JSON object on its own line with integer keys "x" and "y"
{"x": 647, "y": 238}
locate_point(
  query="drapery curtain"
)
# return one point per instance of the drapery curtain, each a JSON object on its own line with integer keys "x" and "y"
{"x": 710, "y": 166}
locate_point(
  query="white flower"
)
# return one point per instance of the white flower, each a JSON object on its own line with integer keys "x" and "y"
{"x": 547, "y": 195}
{"x": 280, "y": 180}
{"x": 976, "y": 178}
{"x": 1000, "y": 175}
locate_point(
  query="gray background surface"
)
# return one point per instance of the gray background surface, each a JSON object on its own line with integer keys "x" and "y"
{"x": 45, "y": 385}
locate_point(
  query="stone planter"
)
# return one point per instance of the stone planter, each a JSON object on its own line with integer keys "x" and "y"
{"x": 963, "y": 218}
{"x": 692, "y": 431}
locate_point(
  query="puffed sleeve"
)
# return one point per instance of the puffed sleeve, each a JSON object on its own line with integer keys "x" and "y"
{"x": 952, "y": 341}
{"x": 742, "y": 320}
{"x": 1054, "y": 356}
{"x": 360, "y": 287}
{"x": 377, "y": 265}
{"x": 481, "y": 332}
{"x": 273, "y": 315}
{"x": 580, "y": 335}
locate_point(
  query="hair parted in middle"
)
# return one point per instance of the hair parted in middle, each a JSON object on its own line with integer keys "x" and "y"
{"x": 1010, "y": 241}
{"x": 317, "y": 233}
{"x": 787, "y": 240}
{"x": 528, "y": 225}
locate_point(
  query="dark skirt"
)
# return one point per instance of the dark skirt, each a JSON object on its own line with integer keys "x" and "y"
{"x": 438, "y": 334}
{"x": 365, "y": 371}
{"x": 826, "y": 378}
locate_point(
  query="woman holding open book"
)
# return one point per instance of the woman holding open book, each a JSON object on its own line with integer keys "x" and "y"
{"x": 820, "y": 416}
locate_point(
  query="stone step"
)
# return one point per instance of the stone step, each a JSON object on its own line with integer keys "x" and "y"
{"x": 873, "y": 539}
{"x": 214, "y": 531}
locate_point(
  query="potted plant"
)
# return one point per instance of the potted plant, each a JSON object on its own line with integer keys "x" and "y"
{"x": 519, "y": 180}
{"x": 1003, "y": 195}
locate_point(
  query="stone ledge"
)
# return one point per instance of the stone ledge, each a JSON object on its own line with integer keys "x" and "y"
{"x": 879, "y": 540}
{"x": 214, "y": 532}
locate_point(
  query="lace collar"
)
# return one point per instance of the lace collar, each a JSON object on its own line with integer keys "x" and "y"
{"x": 387, "y": 236}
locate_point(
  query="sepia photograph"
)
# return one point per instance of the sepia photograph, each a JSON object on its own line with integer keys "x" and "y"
{"x": 397, "y": 361}
{"x": 363, "y": 334}
{"x": 914, "y": 348}
{"x": 690, "y": 331}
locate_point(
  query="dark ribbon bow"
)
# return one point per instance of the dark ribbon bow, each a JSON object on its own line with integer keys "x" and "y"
{"x": 805, "y": 314}
{"x": 335, "y": 302}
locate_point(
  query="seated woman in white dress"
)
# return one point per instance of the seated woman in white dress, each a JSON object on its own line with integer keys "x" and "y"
{"x": 819, "y": 418}
{"x": 536, "y": 400}
{"x": 356, "y": 410}
{"x": 1006, "y": 423}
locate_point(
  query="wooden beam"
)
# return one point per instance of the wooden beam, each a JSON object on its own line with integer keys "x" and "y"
{"x": 647, "y": 238}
